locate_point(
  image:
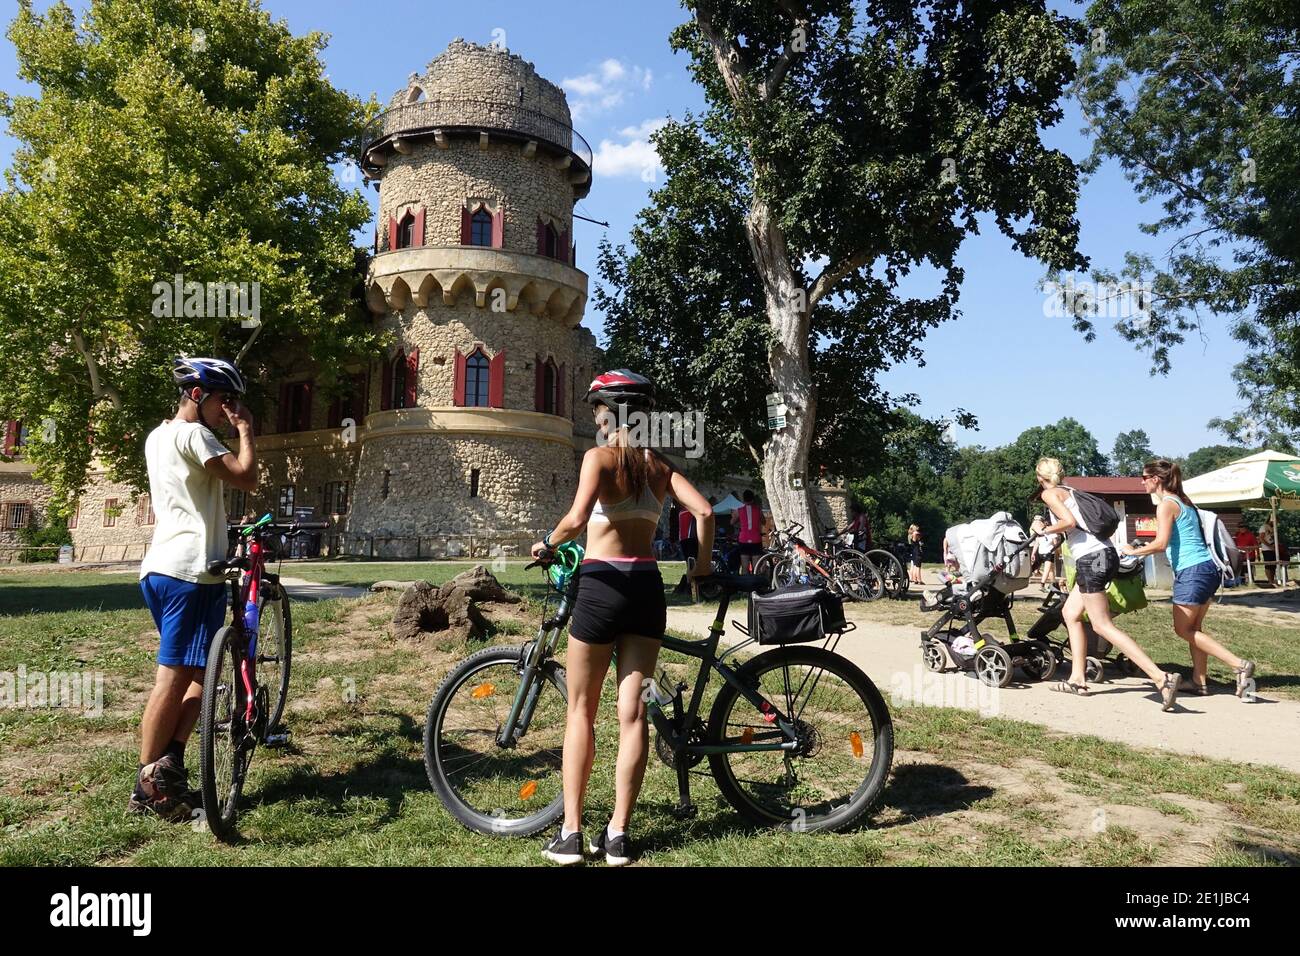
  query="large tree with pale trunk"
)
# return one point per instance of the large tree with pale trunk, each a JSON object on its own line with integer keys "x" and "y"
{"x": 866, "y": 140}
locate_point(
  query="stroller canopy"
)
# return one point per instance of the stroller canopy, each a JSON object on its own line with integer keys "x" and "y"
{"x": 981, "y": 546}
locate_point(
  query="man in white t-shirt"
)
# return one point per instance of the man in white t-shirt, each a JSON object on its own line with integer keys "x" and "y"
{"x": 188, "y": 469}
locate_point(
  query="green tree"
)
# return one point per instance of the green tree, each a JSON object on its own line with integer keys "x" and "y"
{"x": 849, "y": 143}
{"x": 1199, "y": 102}
{"x": 1132, "y": 450}
{"x": 191, "y": 137}
{"x": 1212, "y": 457}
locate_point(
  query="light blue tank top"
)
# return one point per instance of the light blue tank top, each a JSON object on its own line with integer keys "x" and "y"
{"x": 1187, "y": 542}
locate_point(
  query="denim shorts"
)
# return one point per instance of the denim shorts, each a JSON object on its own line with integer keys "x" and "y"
{"x": 1094, "y": 571}
{"x": 1195, "y": 585}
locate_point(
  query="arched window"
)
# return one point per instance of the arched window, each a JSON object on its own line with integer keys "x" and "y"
{"x": 480, "y": 228}
{"x": 476, "y": 379}
{"x": 397, "y": 396}
{"x": 550, "y": 383}
{"x": 406, "y": 232}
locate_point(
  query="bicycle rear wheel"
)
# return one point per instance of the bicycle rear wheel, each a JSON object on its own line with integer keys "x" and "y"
{"x": 857, "y": 578}
{"x": 846, "y": 741}
{"x": 275, "y": 650}
{"x": 514, "y": 790}
{"x": 225, "y": 746}
{"x": 892, "y": 571}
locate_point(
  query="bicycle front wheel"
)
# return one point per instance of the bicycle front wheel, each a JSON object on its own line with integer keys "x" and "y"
{"x": 845, "y": 741}
{"x": 857, "y": 578}
{"x": 225, "y": 748}
{"x": 275, "y": 650}
{"x": 892, "y": 571}
{"x": 510, "y": 790}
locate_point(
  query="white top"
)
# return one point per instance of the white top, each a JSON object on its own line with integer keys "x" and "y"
{"x": 1081, "y": 540}
{"x": 189, "y": 508}
{"x": 645, "y": 506}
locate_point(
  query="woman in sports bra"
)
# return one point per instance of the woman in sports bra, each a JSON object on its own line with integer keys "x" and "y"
{"x": 620, "y": 603}
{"x": 1095, "y": 566}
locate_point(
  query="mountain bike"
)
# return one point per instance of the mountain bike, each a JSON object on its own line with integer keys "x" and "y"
{"x": 797, "y": 736}
{"x": 246, "y": 682}
{"x": 840, "y": 568}
{"x": 892, "y": 572}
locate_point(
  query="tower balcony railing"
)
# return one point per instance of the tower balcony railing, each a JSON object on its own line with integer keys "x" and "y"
{"x": 427, "y": 116}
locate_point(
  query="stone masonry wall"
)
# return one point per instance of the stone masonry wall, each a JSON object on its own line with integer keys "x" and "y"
{"x": 19, "y": 486}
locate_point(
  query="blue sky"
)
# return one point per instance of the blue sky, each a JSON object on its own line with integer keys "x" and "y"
{"x": 1003, "y": 360}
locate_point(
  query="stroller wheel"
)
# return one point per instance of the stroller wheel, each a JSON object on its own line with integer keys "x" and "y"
{"x": 1094, "y": 671}
{"x": 993, "y": 666}
{"x": 936, "y": 658}
{"x": 1039, "y": 664}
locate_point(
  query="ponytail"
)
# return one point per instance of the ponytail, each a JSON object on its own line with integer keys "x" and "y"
{"x": 1170, "y": 475}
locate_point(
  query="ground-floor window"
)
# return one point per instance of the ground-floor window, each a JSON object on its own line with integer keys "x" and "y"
{"x": 111, "y": 511}
{"x": 16, "y": 515}
{"x": 336, "y": 498}
{"x": 473, "y": 483}
{"x": 286, "y": 501}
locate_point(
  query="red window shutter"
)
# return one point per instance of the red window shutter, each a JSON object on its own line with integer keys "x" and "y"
{"x": 562, "y": 249}
{"x": 497, "y": 380}
{"x": 561, "y": 386}
{"x": 11, "y": 437}
{"x": 412, "y": 377}
{"x": 541, "y": 238}
{"x": 466, "y": 229}
{"x": 386, "y": 390}
{"x": 392, "y": 233}
{"x": 419, "y": 227}
{"x": 498, "y": 228}
{"x": 539, "y": 387}
{"x": 458, "y": 379}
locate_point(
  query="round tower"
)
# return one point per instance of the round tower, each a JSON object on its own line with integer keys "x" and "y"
{"x": 472, "y": 428}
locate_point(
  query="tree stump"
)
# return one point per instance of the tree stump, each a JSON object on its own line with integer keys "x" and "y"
{"x": 450, "y": 613}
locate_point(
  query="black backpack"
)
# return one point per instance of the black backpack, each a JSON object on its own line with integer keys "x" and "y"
{"x": 1099, "y": 518}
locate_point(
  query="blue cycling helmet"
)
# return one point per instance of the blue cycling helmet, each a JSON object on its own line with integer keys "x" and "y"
{"x": 209, "y": 374}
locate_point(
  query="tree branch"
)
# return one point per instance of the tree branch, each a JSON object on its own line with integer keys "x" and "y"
{"x": 782, "y": 65}
{"x": 97, "y": 388}
{"x": 834, "y": 272}
{"x": 726, "y": 55}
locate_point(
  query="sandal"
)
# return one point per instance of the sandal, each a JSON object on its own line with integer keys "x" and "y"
{"x": 1189, "y": 686}
{"x": 1066, "y": 687}
{"x": 1169, "y": 692}
{"x": 1245, "y": 673}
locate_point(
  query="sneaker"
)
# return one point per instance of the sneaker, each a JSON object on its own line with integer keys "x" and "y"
{"x": 565, "y": 852}
{"x": 165, "y": 777}
{"x": 1245, "y": 673}
{"x": 616, "y": 851}
{"x": 171, "y": 809}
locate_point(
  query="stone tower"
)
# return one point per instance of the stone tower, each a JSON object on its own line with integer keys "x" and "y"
{"x": 472, "y": 428}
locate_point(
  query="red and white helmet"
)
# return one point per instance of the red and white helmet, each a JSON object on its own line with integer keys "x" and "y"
{"x": 621, "y": 387}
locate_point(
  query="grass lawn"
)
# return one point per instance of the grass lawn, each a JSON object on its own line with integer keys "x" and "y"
{"x": 351, "y": 787}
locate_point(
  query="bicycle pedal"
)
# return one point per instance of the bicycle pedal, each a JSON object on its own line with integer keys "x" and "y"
{"x": 688, "y": 812}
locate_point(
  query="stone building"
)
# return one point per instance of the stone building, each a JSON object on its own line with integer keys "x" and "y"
{"x": 466, "y": 436}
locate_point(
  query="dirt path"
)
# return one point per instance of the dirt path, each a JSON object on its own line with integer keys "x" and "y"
{"x": 1125, "y": 709}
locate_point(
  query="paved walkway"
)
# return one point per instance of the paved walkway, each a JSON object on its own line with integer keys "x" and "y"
{"x": 1125, "y": 709}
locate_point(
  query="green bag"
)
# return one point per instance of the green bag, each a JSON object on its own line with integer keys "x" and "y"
{"x": 1123, "y": 594}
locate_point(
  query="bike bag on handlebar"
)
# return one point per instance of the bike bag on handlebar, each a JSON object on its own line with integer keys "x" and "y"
{"x": 795, "y": 614}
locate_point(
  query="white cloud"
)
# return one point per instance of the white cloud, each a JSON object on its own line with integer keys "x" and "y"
{"x": 635, "y": 156}
{"x": 604, "y": 88}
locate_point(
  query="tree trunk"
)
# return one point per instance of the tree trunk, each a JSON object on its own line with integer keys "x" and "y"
{"x": 786, "y": 452}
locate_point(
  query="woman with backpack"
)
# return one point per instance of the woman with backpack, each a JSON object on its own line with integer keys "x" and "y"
{"x": 1095, "y": 564}
{"x": 1196, "y": 574}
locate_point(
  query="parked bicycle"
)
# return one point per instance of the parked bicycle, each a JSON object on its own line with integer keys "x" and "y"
{"x": 842, "y": 569}
{"x": 246, "y": 682}
{"x": 892, "y": 570}
{"x": 796, "y": 737}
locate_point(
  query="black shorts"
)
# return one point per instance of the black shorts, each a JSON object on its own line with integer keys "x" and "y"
{"x": 1094, "y": 571}
{"x": 618, "y": 597}
{"x": 750, "y": 547}
{"x": 690, "y": 548}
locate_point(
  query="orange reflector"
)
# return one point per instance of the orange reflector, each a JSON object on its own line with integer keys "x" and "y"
{"x": 855, "y": 741}
{"x": 747, "y": 735}
{"x": 482, "y": 690}
{"x": 527, "y": 790}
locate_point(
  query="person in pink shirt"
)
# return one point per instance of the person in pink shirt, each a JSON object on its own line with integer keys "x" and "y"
{"x": 749, "y": 531}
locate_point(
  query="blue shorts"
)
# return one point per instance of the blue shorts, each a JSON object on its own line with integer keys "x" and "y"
{"x": 187, "y": 616}
{"x": 1195, "y": 585}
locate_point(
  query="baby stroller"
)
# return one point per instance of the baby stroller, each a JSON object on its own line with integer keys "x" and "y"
{"x": 994, "y": 566}
{"x": 1126, "y": 593}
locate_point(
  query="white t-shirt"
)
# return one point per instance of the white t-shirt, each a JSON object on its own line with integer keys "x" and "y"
{"x": 189, "y": 507}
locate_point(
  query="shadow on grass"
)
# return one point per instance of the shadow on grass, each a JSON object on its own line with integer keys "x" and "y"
{"x": 19, "y": 598}
{"x": 919, "y": 791}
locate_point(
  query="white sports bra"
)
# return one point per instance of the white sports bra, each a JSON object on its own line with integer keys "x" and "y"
{"x": 645, "y": 506}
